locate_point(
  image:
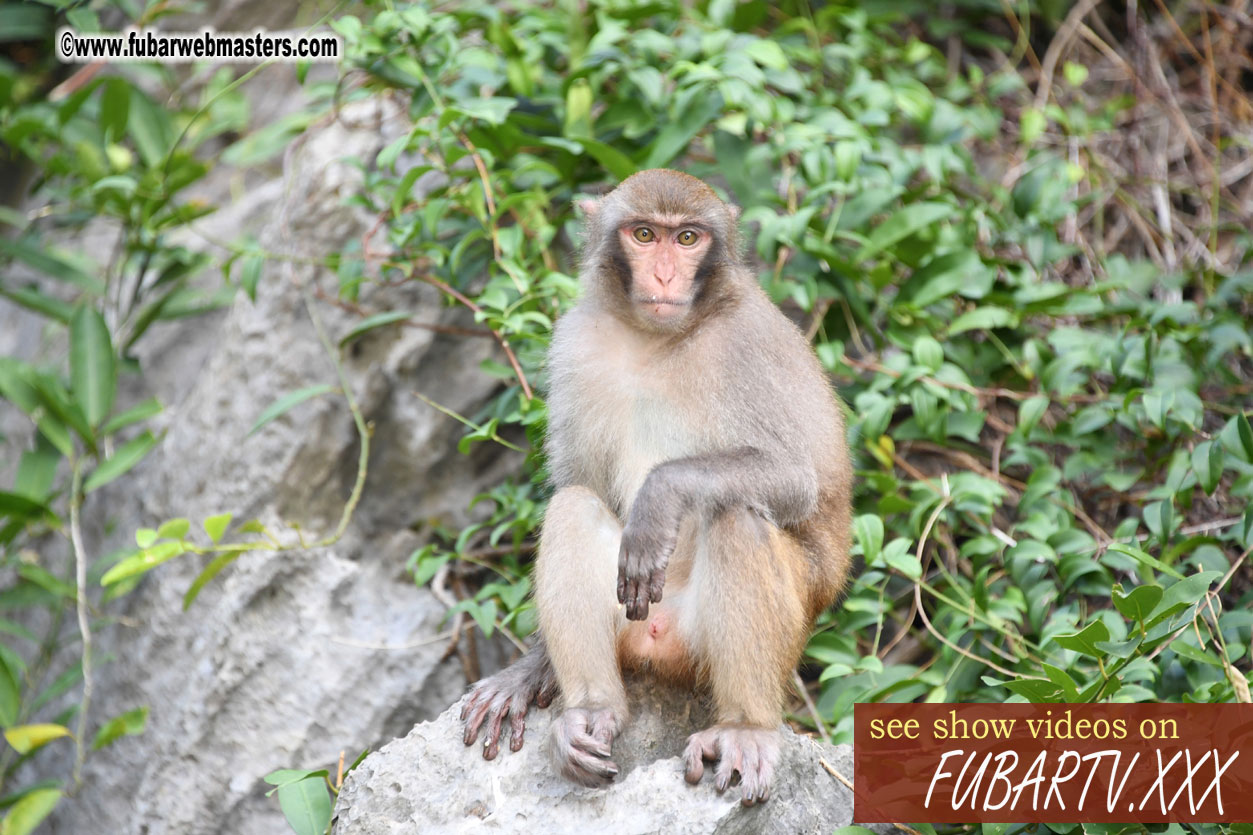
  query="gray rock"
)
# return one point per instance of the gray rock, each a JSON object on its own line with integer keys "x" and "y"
{"x": 286, "y": 659}
{"x": 430, "y": 782}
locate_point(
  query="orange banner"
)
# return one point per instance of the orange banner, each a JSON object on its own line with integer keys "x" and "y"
{"x": 1057, "y": 763}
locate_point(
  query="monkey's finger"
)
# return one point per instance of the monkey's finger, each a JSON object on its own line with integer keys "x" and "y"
{"x": 728, "y": 765}
{"x": 749, "y": 768}
{"x": 546, "y": 692}
{"x": 694, "y": 763}
{"x": 589, "y": 769}
{"x": 629, "y": 599}
{"x": 640, "y": 597}
{"x": 589, "y": 744}
{"x": 656, "y": 582}
{"x": 622, "y": 575}
{"x": 765, "y": 774}
{"x": 518, "y": 727}
{"x": 491, "y": 743}
{"x": 700, "y": 747}
{"x": 475, "y": 722}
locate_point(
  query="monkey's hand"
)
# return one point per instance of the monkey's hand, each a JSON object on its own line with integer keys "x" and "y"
{"x": 648, "y": 540}
{"x": 508, "y": 693}
{"x": 747, "y": 753}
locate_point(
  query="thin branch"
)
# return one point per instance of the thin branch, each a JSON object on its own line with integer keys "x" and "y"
{"x": 811, "y": 707}
{"x": 84, "y": 624}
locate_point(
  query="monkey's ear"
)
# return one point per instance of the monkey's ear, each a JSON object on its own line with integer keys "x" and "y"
{"x": 590, "y": 207}
{"x": 734, "y": 211}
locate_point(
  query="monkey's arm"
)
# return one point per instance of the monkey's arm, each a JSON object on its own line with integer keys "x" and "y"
{"x": 782, "y": 491}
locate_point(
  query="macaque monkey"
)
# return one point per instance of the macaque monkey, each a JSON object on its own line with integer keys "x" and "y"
{"x": 701, "y": 513}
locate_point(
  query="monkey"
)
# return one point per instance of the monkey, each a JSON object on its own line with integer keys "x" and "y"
{"x": 701, "y": 509}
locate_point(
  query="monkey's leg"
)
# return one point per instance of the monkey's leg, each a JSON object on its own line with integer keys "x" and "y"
{"x": 749, "y": 628}
{"x": 576, "y": 573}
{"x": 508, "y": 693}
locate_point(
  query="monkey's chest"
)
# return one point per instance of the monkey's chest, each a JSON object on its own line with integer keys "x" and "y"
{"x": 639, "y": 430}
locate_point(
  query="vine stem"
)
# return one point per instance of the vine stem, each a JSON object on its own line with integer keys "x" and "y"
{"x": 363, "y": 431}
{"x": 84, "y": 624}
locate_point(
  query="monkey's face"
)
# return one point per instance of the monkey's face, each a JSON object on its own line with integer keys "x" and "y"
{"x": 665, "y": 255}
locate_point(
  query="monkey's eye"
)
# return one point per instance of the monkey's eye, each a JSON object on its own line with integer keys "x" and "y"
{"x": 643, "y": 234}
{"x": 687, "y": 237}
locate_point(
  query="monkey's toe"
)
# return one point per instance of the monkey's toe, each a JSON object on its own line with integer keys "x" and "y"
{"x": 746, "y": 756}
{"x": 582, "y": 742}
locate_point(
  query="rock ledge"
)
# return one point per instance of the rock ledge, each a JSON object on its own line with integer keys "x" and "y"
{"x": 429, "y": 782}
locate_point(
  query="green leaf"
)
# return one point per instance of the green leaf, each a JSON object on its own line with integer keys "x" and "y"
{"x": 10, "y": 694}
{"x": 1192, "y": 653}
{"x": 32, "y": 299}
{"x": 46, "y": 580}
{"x": 51, "y": 263}
{"x": 1031, "y": 124}
{"x": 174, "y": 529}
{"x": 614, "y": 161}
{"x": 287, "y": 776}
{"x": 140, "y": 411}
{"x": 26, "y": 738}
{"x": 144, "y": 561}
{"x": 1182, "y": 595}
{"x": 673, "y": 139}
{"x": 578, "y": 120}
{"x": 18, "y": 506}
{"x": 1246, "y": 436}
{"x": 114, "y": 108}
{"x": 250, "y": 275}
{"x": 898, "y": 556}
{"x": 869, "y": 531}
{"x": 144, "y": 537}
{"x": 215, "y": 526}
{"x": 378, "y": 320}
{"x": 766, "y": 53}
{"x": 290, "y": 401}
{"x": 130, "y": 723}
{"x": 149, "y": 126}
{"x": 928, "y": 353}
{"x": 912, "y": 218}
{"x": 124, "y": 458}
{"x": 213, "y": 569}
{"x": 1207, "y": 463}
{"x": 400, "y": 198}
{"x": 93, "y": 367}
{"x": 1036, "y": 690}
{"x": 1085, "y": 640}
{"x": 1030, "y": 411}
{"x": 1139, "y": 603}
{"x": 492, "y": 110}
{"x": 1159, "y": 517}
{"x": 982, "y": 318}
{"x": 30, "y": 811}
{"x": 1144, "y": 559}
{"x": 1070, "y": 690}
{"x": 306, "y": 805}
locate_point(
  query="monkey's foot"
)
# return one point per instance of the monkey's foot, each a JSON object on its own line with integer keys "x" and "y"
{"x": 744, "y": 754}
{"x": 508, "y": 693}
{"x": 581, "y": 744}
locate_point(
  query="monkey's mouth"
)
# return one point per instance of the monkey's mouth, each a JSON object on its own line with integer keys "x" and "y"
{"x": 662, "y": 305}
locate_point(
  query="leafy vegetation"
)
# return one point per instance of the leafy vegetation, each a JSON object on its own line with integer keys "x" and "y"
{"x": 1041, "y": 328}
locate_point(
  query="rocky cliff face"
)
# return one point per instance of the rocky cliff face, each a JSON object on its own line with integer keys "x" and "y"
{"x": 429, "y": 782}
{"x": 286, "y": 659}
